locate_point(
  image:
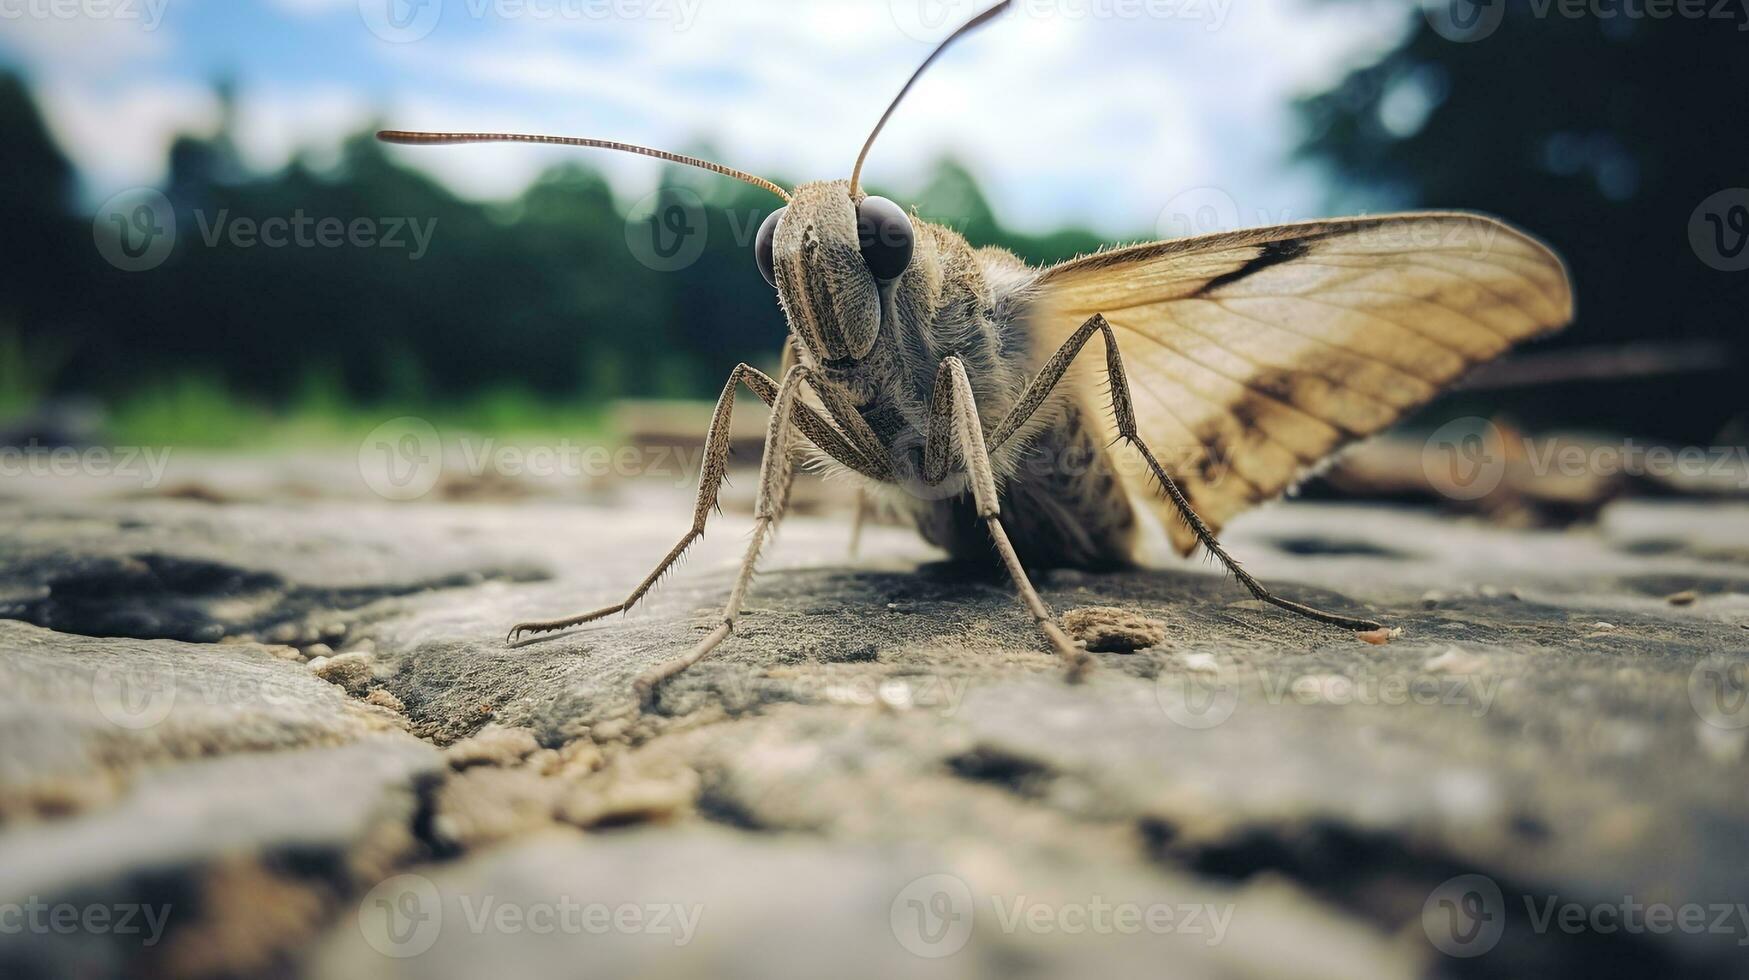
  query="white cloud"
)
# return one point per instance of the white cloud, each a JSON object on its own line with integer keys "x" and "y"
{"x": 275, "y": 124}
{"x": 120, "y": 136}
{"x": 1067, "y": 118}
{"x": 54, "y": 38}
{"x": 1064, "y": 115}
{"x": 307, "y": 8}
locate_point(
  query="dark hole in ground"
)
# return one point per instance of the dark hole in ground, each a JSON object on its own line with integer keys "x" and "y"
{"x": 1018, "y": 774}
{"x": 168, "y": 597}
{"x": 1387, "y": 881}
{"x": 1659, "y": 586}
{"x": 1327, "y": 547}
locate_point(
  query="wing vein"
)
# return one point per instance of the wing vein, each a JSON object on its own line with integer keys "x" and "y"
{"x": 1166, "y": 311}
{"x": 1206, "y": 450}
{"x": 1363, "y": 355}
{"x": 1222, "y": 409}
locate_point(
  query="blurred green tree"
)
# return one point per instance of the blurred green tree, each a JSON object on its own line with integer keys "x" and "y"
{"x": 553, "y": 296}
{"x": 1602, "y": 134}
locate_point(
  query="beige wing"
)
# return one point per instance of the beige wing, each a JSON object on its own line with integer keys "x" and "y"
{"x": 1254, "y": 355}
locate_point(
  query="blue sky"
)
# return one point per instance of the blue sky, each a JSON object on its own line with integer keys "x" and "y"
{"x": 1126, "y": 115}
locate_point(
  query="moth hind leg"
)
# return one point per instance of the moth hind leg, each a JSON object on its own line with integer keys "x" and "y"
{"x": 1207, "y": 539}
{"x": 1123, "y": 411}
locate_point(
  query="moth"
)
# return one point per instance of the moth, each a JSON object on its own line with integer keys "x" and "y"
{"x": 953, "y": 380}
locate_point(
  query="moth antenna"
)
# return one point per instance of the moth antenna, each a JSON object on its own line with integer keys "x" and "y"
{"x": 966, "y": 28}
{"x": 410, "y": 139}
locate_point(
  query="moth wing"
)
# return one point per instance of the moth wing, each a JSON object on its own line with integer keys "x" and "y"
{"x": 1254, "y": 355}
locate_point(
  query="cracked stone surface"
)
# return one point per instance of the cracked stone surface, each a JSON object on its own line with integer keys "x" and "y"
{"x": 297, "y": 727}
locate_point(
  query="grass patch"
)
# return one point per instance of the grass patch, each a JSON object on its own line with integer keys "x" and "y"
{"x": 199, "y": 411}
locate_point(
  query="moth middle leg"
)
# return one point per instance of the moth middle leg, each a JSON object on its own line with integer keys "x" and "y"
{"x": 954, "y": 427}
{"x": 1124, "y": 412}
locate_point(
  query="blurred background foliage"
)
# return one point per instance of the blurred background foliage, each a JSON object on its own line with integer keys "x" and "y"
{"x": 530, "y": 314}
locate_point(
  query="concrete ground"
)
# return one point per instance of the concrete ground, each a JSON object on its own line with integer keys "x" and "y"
{"x": 281, "y": 735}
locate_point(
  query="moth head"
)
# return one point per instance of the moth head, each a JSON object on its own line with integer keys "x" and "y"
{"x": 833, "y": 257}
{"x": 833, "y": 252}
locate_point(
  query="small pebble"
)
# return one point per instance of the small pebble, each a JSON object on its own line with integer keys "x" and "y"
{"x": 1107, "y": 630}
{"x": 610, "y": 799}
{"x": 492, "y": 746}
{"x": 1323, "y": 689}
{"x": 1455, "y": 661}
{"x": 1721, "y": 745}
{"x": 608, "y": 731}
{"x": 286, "y": 633}
{"x": 353, "y": 671}
{"x": 1200, "y": 662}
{"x": 1683, "y": 598}
{"x": 383, "y": 699}
{"x": 1378, "y": 637}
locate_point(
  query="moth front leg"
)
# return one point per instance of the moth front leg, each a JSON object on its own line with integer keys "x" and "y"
{"x": 1123, "y": 411}
{"x": 710, "y": 480}
{"x": 776, "y": 476}
{"x": 954, "y": 427}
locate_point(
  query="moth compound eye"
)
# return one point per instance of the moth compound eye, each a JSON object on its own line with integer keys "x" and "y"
{"x": 762, "y": 245}
{"x": 886, "y": 238}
